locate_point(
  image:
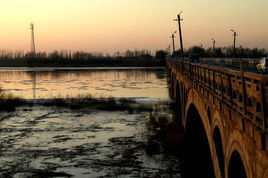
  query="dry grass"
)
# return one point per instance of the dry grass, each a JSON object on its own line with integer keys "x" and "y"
{"x": 8, "y": 102}
{"x": 83, "y": 101}
{"x": 166, "y": 131}
{"x": 152, "y": 146}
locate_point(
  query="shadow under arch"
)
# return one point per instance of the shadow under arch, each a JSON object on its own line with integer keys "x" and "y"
{"x": 179, "y": 107}
{"x": 197, "y": 146}
{"x": 219, "y": 149}
{"x": 236, "y": 153}
{"x": 236, "y": 167}
{"x": 171, "y": 88}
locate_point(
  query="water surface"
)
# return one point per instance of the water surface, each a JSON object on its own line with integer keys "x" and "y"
{"x": 32, "y": 83}
{"x": 39, "y": 141}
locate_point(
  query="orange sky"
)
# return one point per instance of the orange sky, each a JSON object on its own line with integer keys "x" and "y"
{"x": 117, "y": 25}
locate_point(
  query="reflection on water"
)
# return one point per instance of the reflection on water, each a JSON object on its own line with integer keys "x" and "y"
{"x": 52, "y": 82}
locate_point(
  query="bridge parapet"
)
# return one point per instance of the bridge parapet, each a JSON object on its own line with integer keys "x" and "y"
{"x": 245, "y": 93}
{"x": 248, "y": 64}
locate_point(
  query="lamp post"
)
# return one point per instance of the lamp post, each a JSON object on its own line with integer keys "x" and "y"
{"x": 213, "y": 45}
{"x": 168, "y": 48}
{"x": 179, "y": 23}
{"x": 173, "y": 43}
{"x": 235, "y": 35}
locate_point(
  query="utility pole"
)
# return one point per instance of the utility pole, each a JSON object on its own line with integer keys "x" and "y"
{"x": 179, "y": 23}
{"x": 235, "y": 35}
{"x": 33, "y": 43}
{"x": 213, "y": 45}
{"x": 173, "y": 43}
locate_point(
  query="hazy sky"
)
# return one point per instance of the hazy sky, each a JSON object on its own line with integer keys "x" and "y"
{"x": 117, "y": 25}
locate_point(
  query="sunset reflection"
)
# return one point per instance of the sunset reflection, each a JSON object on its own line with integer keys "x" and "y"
{"x": 99, "y": 83}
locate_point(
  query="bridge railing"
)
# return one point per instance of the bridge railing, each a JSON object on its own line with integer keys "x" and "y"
{"x": 248, "y": 64}
{"x": 246, "y": 93}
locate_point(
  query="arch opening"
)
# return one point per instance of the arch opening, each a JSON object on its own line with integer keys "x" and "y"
{"x": 198, "y": 155}
{"x": 224, "y": 89}
{"x": 219, "y": 149}
{"x": 240, "y": 98}
{"x": 234, "y": 95}
{"x": 258, "y": 107}
{"x": 216, "y": 86}
{"x": 250, "y": 104}
{"x": 236, "y": 167}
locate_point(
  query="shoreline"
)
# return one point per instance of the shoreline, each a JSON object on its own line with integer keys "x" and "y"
{"x": 77, "y": 68}
{"x": 96, "y": 62}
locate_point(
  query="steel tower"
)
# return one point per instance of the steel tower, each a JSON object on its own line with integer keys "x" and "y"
{"x": 33, "y": 43}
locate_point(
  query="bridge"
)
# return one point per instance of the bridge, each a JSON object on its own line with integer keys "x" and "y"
{"x": 223, "y": 113}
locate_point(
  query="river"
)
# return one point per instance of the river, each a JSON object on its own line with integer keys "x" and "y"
{"x": 105, "y": 82}
{"x": 51, "y": 141}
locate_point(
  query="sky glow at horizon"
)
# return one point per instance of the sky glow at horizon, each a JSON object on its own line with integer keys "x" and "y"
{"x": 118, "y": 25}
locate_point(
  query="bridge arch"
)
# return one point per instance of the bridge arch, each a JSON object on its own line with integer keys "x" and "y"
{"x": 195, "y": 99}
{"x": 237, "y": 156}
{"x": 220, "y": 140}
{"x": 236, "y": 167}
{"x": 217, "y": 121}
{"x": 217, "y": 138}
{"x": 195, "y": 108}
{"x": 197, "y": 143}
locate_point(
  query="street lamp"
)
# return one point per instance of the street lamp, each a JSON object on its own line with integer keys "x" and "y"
{"x": 173, "y": 36}
{"x": 235, "y": 35}
{"x": 213, "y": 46}
{"x": 168, "y": 48}
{"x": 179, "y": 23}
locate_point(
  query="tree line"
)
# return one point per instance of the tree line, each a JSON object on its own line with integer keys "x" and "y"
{"x": 65, "y": 54}
{"x": 218, "y": 52}
{"x": 64, "y": 58}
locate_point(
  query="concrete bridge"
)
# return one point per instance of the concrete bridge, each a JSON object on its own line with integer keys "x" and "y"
{"x": 224, "y": 115}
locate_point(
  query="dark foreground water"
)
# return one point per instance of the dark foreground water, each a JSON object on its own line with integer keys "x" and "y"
{"x": 57, "y": 142}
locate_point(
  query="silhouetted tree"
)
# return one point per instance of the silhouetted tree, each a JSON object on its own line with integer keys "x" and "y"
{"x": 161, "y": 54}
{"x": 218, "y": 52}
{"x": 197, "y": 50}
{"x": 129, "y": 53}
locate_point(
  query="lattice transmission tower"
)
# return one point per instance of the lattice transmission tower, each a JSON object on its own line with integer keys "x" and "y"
{"x": 32, "y": 43}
